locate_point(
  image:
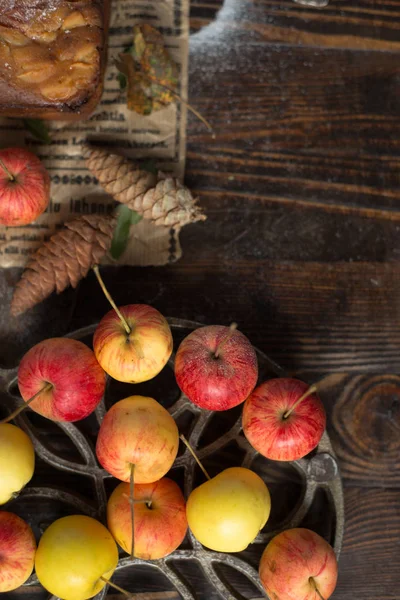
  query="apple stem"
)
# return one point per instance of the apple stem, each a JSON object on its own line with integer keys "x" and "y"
{"x": 232, "y": 328}
{"x": 313, "y": 388}
{"x": 111, "y": 301}
{"x": 147, "y": 501}
{"x": 314, "y": 585}
{"x": 192, "y": 452}
{"x": 16, "y": 412}
{"x": 116, "y": 587}
{"x": 132, "y": 502}
{"x": 7, "y": 172}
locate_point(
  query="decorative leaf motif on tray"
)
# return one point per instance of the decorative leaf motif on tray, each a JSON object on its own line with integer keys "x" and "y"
{"x": 319, "y": 470}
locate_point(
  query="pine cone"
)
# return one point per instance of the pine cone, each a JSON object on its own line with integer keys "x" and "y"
{"x": 163, "y": 200}
{"x": 120, "y": 177}
{"x": 169, "y": 203}
{"x": 64, "y": 260}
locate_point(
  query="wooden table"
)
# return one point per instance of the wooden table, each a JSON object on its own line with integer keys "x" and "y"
{"x": 301, "y": 246}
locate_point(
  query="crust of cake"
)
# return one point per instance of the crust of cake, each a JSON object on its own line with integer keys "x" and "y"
{"x": 52, "y": 56}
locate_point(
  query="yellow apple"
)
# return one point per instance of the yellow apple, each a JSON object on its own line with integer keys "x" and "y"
{"x": 17, "y": 460}
{"x": 72, "y": 556}
{"x": 138, "y": 355}
{"x": 227, "y": 512}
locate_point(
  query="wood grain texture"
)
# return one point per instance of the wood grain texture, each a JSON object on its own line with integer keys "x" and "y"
{"x": 366, "y": 425}
{"x": 361, "y": 24}
{"x": 292, "y": 131}
{"x": 369, "y": 566}
{"x": 301, "y": 247}
{"x": 309, "y": 317}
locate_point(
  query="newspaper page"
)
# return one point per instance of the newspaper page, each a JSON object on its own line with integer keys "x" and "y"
{"x": 160, "y": 137}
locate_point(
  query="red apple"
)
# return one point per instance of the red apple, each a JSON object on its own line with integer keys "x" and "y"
{"x": 216, "y": 367}
{"x": 24, "y": 187}
{"x": 76, "y": 378}
{"x": 17, "y": 551}
{"x": 137, "y": 431}
{"x": 136, "y": 356}
{"x": 271, "y": 432}
{"x": 298, "y": 563}
{"x": 160, "y": 519}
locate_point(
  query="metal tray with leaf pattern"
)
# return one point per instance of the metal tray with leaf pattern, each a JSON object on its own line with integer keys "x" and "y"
{"x": 68, "y": 480}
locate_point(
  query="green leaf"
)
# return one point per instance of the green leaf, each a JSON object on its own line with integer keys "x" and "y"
{"x": 122, "y": 81}
{"x": 149, "y": 166}
{"x": 135, "y": 217}
{"x": 38, "y": 129}
{"x": 126, "y": 218}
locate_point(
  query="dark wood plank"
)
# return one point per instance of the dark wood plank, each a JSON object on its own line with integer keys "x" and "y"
{"x": 359, "y": 24}
{"x": 295, "y": 127}
{"x": 308, "y": 316}
{"x": 365, "y": 417}
{"x": 301, "y": 186}
{"x": 370, "y": 564}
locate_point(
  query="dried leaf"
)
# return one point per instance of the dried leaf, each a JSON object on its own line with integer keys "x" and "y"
{"x": 163, "y": 200}
{"x": 64, "y": 260}
{"x": 125, "y": 218}
{"x": 139, "y": 95}
{"x": 38, "y": 129}
{"x": 151, "y": 74}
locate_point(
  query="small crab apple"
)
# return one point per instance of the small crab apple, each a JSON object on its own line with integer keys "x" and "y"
{"x": 298, "y": 563}
{"x": 284, "y": 419}
{"x": 132, "y": 343}
{"x": 24, "y": 187}
{"x": 17, "y": 551}
{"x": 216, "y": 367}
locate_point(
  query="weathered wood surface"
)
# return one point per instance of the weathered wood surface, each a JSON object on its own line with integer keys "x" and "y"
{"x": 301, "y": 186}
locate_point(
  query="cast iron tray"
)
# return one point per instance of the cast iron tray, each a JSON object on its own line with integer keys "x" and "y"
{"x": 68, "y": 480}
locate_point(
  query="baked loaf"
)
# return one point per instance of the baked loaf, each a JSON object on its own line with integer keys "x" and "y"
{"x": 52, "y": 57}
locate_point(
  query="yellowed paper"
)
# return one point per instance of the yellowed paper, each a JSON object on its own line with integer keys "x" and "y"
{"x": 160, "y": 136}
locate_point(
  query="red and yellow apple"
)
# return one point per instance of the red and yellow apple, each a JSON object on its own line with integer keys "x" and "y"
{"x": 17, "y": 551}
{"x": 137, "y": 431}
{"x": 160, "y": 521}
{"x": 227, "y": 512}
{"x": 216, "y": 368}
{"x": 73, "y": 556}
{"x": 17, "y": 461}
{"x": 136, "y": 356}
{"x": 24, "y": 187}
{"x": 298, "y": 563}
{"x": 274, "y": 429}
{"x": 76, "y": 380}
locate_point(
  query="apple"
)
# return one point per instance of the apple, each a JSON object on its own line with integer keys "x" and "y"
{"x": 137, "y": 431}
{"x": 278, "y": 424}
{"x": 216, "y": 367}
{"x": 17, "y": 461}
{"x": 227, "y": 512}
{"x": 160, "y": 521}
{"x": 136, "y": 350}
{"x": 17, "y": 551}
{"x": 298, "y": 563}
{"x": 76, "y": 557}
{"x": 24, "y": 187}
{"x": 67, "y": 371}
